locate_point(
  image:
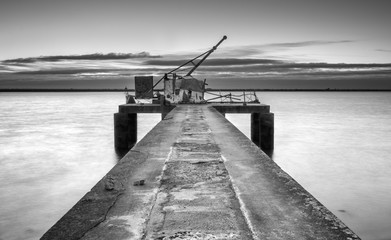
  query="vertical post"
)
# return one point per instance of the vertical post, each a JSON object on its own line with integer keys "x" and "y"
{"x": 244, "y": 98}
{"x": 163, "y": 108}
{"x": 267, "y": 131}
{"x": 262, "y": 130}
{"x": 255, "y": 129}
{"x": 125, "y": 130}
{"x": 203, "y": 89}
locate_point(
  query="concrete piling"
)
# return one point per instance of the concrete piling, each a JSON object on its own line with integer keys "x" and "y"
{"x": 266, "y": 122}
{"x": 125, "y": 130}
{"x": 125, "y": 122}
{"x": 262, "y": 130}
{"x": 262, "y": 121}
{"x": 255, "y": 129}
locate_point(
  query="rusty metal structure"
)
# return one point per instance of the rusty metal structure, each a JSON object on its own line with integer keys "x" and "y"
{"x": 184, "y": 88}
{"x": 177, "y": 88}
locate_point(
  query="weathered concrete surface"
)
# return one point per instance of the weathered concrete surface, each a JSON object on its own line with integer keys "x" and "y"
{"x": 139, "y": 108}
{"x": 115, "y": 208}
{"x": 240, "y": 108}
{"x": 196, "y": 199}
{"x": 143, "y": 108}
{"x": 275, "y": 205}
{"x": 203, "y": 179}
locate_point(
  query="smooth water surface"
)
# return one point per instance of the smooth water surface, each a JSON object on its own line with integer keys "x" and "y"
{"x": 337, "y": 145}
{"x": 55, "y": 146}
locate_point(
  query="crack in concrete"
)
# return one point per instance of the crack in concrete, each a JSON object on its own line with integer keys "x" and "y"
{"x": 243, "y": 209}
{"x": 145, "y": 234}
{"x": 105, "y": 215}
{"x": 202, "y": 148}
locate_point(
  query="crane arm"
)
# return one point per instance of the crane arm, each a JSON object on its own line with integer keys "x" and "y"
{"x": 207, "y": 53}
{"x": 206, "y": 56}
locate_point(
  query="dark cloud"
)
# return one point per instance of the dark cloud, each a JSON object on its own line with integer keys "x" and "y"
{"x": 383, "y": 50}
{"x": 241, "y": 51}
{"x": 281, "y": 67}
{"x": 223, "y": 68}
{"x": 15, "y": 64}
{"x": 94, "y": 56}
{"x": 332, "y": 65}
{"x": 270, "y": 49}
{"x": 3, "y": 68}
{"x": 70, "y": 71}
{"x": 386, "y": 72}
{"x": 299, "y": 83}
{"x": 214, "y": 62}
{"x": 237, "y": 66}
{"x": 306, "y": 43}
{"x": 80, "y": 71}
{"x": 67, "y": 71}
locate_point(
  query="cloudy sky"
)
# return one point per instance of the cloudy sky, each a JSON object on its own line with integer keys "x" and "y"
{"x": 271, "y": 44}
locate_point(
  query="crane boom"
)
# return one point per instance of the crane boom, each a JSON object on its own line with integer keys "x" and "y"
{"x": 206, "y": 56}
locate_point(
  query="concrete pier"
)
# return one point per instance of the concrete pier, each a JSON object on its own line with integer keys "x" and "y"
{"x": 262, "y": 121}
{"x": 196, "y": 176}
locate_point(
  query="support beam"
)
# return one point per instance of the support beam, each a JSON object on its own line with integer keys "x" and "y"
{"x": 239, "y": 108}
{"x": 125, "y": 130}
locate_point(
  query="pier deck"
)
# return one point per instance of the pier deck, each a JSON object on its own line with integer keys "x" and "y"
{"x": 196, "y": 176}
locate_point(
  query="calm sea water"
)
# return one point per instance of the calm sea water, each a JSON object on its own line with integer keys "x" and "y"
{"x": 55, "y": 146}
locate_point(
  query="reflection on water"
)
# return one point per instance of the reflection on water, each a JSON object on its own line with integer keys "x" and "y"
{"x": 55, "y": 146}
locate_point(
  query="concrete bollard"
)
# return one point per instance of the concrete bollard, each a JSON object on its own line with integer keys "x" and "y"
{"x": 125, "y": 130}
{"x": 267, "y": 131}
{"x": 255, "y": 129}
{"x": 262, "y": 130}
